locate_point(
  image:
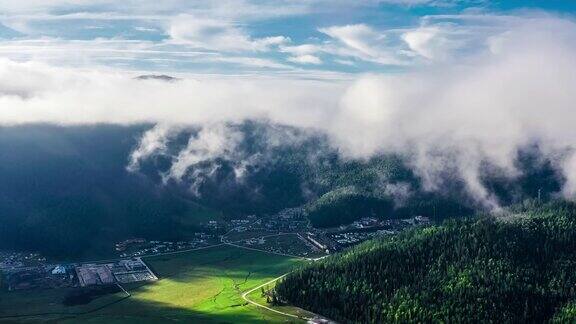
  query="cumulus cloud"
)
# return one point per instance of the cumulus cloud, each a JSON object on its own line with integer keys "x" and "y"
{"x": 304, "y": 53}
{"x": 358, "y": 37}
{"x": 364, "y": 42}
{"x": 219, "y": 35}
{"x": 449, "y": 119}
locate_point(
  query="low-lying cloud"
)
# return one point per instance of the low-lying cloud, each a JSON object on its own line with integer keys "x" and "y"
{"x": 517, "y": 90}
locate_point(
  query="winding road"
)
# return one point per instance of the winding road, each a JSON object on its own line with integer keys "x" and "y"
{"x": 245, "y": 297}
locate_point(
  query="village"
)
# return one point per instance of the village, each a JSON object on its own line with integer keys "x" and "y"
{"x": 286, "y": 233}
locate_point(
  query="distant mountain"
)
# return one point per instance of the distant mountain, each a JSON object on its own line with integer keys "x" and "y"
{"x": 517, "y": 267}
{"x": 160, "y": 77}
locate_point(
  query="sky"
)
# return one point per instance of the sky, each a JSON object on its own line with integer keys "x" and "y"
{"x": 300, "y": 38}
{"x": 453, "y": 85}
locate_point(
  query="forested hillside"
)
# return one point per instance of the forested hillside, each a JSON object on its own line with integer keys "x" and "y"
{"x": 65, "y": 191}
{"x": 386, "y": 187}
{"x": 516, "y": 267}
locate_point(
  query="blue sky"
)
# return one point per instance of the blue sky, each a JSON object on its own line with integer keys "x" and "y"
{"x": 298, "y": 37}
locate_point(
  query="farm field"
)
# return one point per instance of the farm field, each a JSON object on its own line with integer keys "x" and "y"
{"x": 203, "y": 286}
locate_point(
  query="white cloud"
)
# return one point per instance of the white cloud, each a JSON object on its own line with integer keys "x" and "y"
{"x": 248, "y": 61}
{"x": 36, "y": 92}
{"x": 224, "y": 8}
{"x": 102, "y": 52}
{"x": 358, "y": 37}
{"x": 432, "y": 41}
{"x": 145, "y": 29}
{"x": 217, "y": 35}
{"x": 153, "y": 143}
{"x": 429, "y": 42}
{"x": 211, "y": 142}
{"x": 365, "y": 43}
{"x": 303, "y": 49}
{"x": 304, "y": 53}
{"x": 305, "y": 59}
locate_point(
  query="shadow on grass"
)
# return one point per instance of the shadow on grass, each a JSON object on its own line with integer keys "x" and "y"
{"x": 155, "y": 312}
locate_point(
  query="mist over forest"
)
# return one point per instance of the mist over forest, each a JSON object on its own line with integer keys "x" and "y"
{"x": 87, "y": 182}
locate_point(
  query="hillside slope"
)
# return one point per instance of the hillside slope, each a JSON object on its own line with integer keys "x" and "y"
{"x": 65, "y": 192}
{"x": 513, "y": 268}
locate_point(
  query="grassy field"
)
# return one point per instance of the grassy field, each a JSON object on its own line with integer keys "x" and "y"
{"x": 202, "y": 286}
{"x": 48, "y": 301}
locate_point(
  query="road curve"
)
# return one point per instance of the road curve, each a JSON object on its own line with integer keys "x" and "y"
{"x": 245, "y": 297}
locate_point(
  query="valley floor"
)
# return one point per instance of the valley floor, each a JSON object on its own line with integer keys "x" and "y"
{"x": 205, "y": 286}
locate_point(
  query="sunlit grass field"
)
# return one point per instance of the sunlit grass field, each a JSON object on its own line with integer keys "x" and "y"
{"x": 202, "y": 286}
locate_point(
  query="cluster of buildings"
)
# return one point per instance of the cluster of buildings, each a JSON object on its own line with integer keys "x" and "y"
{"x": 121, "y": 271}
{"x": 53, "y": 276}
{"x": 367, "y": 228}
{"x": 14, "y": 260}
{"x": 370, "y": 222}
{"x": 288, "y": 220}
{"x": 215, "y": 226}
{"x": 366, "y": 222}
{"x": 142, "y": 247}
{"x": 122, "y": 246}
{"x": 240, "y": 225}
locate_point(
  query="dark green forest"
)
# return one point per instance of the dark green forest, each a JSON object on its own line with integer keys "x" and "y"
{"x": 65, "y": 192}
{"x": 513, "y": 267}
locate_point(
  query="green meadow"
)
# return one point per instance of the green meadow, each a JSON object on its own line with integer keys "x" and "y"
{"x": 203, "y": 286}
